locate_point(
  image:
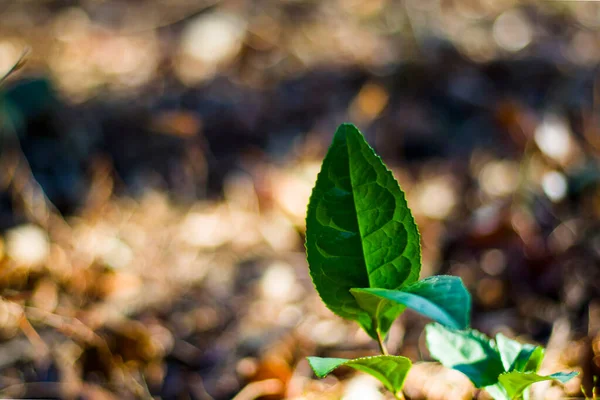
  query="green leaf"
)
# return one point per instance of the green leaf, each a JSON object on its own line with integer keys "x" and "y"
{"x": 518, "y": 356}
{"x": 497, "y": 392}
{"x": 441, "y": 298}
{"x": 383, "y": 311}
{"x": 389, "y": 370}
{"x": 360, "y": 232}
{"x": 509, "y": 350}
{"x": 516, "y": 382}
{"x": 467, "y": 351}
{"x": 515, "y": 357}
{"x": 534, "y": 362}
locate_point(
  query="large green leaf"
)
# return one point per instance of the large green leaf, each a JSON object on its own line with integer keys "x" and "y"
{"x": 359, "y": 230}
{"x": 389, "y": 370}
{"x": 441, "y": 298}
{"x": 516, "y": 382}
{"x": 467, "y": 351}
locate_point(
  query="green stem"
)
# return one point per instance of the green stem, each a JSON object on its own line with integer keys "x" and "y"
{"x": 383, "y": 349}
{"x": 381, "y": 344}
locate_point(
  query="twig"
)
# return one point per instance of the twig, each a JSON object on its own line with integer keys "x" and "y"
{"x": 34, "y": 338}
{"x": 258, "y": 389}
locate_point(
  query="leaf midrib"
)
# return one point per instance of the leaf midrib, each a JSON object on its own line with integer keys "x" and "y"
{"x": 360, "y": 229}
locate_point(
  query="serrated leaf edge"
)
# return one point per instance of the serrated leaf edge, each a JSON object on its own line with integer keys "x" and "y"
{"x": 358, "y": 360}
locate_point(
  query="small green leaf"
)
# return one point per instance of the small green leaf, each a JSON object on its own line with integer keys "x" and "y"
{"x": 515, "y": 357}
{"x": 441, "y": 298}
{"x": 534, "y": 362}
{"x": 383, "y": 311}
{"x": 389, "y": 370}
{"x": 505, "y": 368}
{"x": 509, "y": 350}
{"x": 516, "y": 382}
{"x": 360, "y": 232}
{"x": 497, "y": 392}
{"x": 518, "y": 356}
{"x": 467, "y": 351}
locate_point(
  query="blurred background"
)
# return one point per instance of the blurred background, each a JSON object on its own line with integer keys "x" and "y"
{"x": 156, "y": 158}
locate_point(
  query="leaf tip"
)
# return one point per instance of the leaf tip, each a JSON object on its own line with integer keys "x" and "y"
{"x": 312, "y": 362}
{"x": 344, "y": 130}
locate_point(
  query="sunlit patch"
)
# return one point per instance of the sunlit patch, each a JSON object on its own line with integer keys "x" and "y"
{"x": 512, "y": 31}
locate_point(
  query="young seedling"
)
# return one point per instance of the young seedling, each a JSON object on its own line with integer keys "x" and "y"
{"x": 504, "y": 367}
{"x": 364, "y": 254}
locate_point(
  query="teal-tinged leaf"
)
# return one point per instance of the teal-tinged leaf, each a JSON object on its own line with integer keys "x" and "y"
{"x": 467, "y": 351}
{"x": 389, "y": 370}
{"x": 517, "y": 356}
{"x": 441, "y": 298}
{"x": 359, "y": 230}
{"x": 516, "y": 382}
